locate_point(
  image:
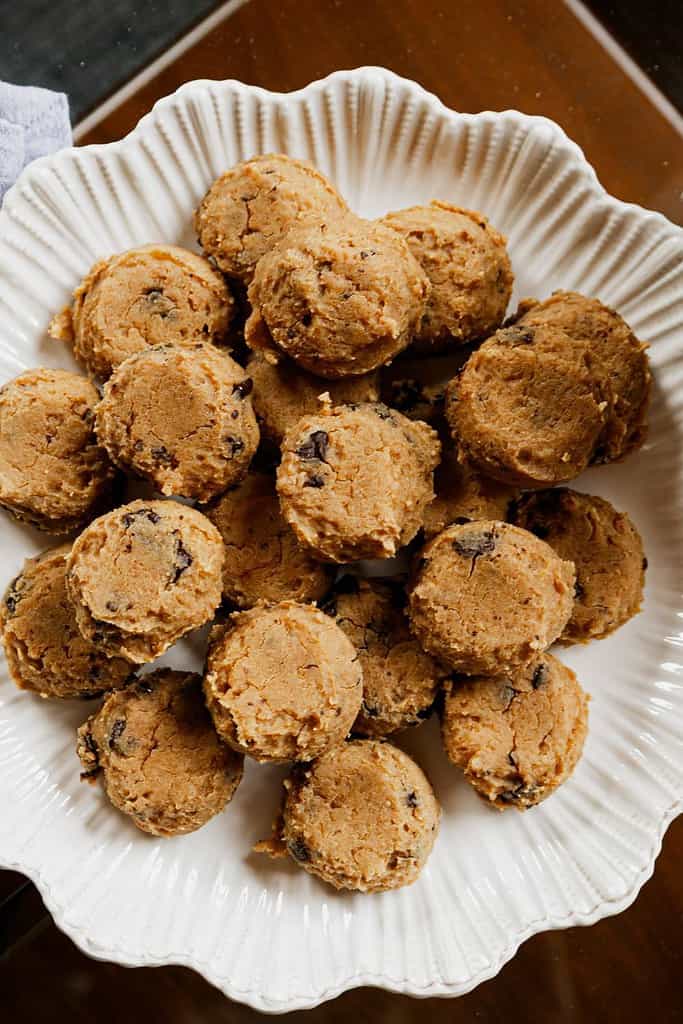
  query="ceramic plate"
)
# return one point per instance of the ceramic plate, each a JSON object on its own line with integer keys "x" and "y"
{"x": 266, "y": 932}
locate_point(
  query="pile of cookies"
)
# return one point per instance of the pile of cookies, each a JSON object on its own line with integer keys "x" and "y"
{"x": 320, "y": 390}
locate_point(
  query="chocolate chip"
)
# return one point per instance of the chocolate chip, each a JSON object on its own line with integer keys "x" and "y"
{"x": 159, "y": 303}
{"x": 314, "y": 481}
{"x": 138, "y": 446}
{"x": 526, "y": 793}
{"x": 234, "y": 444}
{"x": 13, "y": 596}
{"x": 182, "y": 560}
{"x": 307, "y": 318}
{"x": 579, "y": 591}
{"x": 162, "y": 455}
{"x": 112, "y": 606}
{"x": 299, "y": 850}
{"x": 383, "y": 411}
{"x": 234, "y": 415}
{"x": 540, "y": 675}
{"x": 315, "y": 447}
{"x": 411, "y": 799}
{"x": 461, "y": 521}
{"x": 90, "y": 744}
{"x": 117, "y": 731}
{"x": 366, "y": 253}
{"x": 519, "y": 335}
{"x": 645, "y": 563}
{"x": 473, "y": 545}
{"x": 368, "y": 710}
{"x": 148, "y": 513}
{"x": 244, "y": 388}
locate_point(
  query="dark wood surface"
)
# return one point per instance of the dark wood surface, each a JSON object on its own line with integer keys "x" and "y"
{"x": 475, "y": 54}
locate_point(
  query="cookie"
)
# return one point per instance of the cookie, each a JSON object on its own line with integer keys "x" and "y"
{"x": 248, "y": 209}
{"x": 44, "y": 648}
{"x": 157, "y": 751}
{"x": 619, "y": 361}
{"x": 144, "y": 575}
{"x": 53, "y": 473}
{"x": 527, "y": 408}
{"x": 263, "y": 559}
{"x": 340, "y": 299}
{"x": 467, "y": 265}
{"x": 152, "y": 295}
{"x": 606, "y": 550}
{"x": 463, "y": 494}
{"x": 516, "y": 738}
{"x": 282, "y": 683}
{"x": 363, "y": 816}
{"x": 180, "y": 417}
{"x": 354, "y": 481}
{"x": 283, "y": 393}
{"x": 400, "y": 681}
{"x": 489, "y": 597}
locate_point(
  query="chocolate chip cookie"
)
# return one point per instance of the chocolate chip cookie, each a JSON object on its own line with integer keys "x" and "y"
{"x": 152, "y": 295}
{"x": 354, "y": 481}
{"x": 144, "y": 575}
{"x": 53, "y": 473}
{"x": 180, "y": 417}
{"x": 468, "y": 267}
{"x": 517, "y": 738}
{"x": 489, "y": 597}
{"x": 606, "y": 549}
{"x": 263, "y": 559}
{"x": 160, "y": 759}
{"x": 44, "y": 648}
{"x": 340, "y": 299}
{"x": 282, "y": 683}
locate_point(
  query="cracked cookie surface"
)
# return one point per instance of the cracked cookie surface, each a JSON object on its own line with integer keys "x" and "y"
{"x": 489, "y": 597}
{"x": 160, "y": 759}
{"x": 144, "y": 575}
{"x": 283, "y": 683}
{"x": 180, "y": 417}
{"x": 354, "y": 481}
{"x": 153, "y": 295}
{"x": 516, "y": 738}
{"x": 53, "y": 472}
{"x": 45, "y": 650}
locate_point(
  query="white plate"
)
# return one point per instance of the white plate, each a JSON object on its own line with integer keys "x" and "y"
{"x": 267, "y": 933}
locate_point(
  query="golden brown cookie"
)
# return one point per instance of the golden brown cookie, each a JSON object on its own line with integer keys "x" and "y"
{"x": 362, "y": 816}
{"x": 468, "y": 268}
{"x": 263, "y": 559}
{"x": 282, "y": 683}
{"x": 619, "y": 362}
{"x": 489, "y": 598}
{"x": 400, "y": 681}
{"x": 606, "y": 550}
{"x": 144, "y": 575}
{"x": 354, "y": 481}
{"x": 340, "y": 299}
{"x": 518, "y": 737}
{"x": 53, "y": 473}
{"x": 44, "y": 648}
{"x": 527, "y": 408}
{"x": 152, "y": 295}
{"x": 463, "y": 494}
{"x": 248, "y": 209}
{"x": 180, "y": 417}
{"x": 160, "y": 758}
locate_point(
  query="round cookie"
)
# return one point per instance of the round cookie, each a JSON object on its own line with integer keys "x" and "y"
{"x": 248, "y": 209}
{"x": 180, "y": 417}
{"x": 527, "y": 408}
{"x": 53, "y": 473}
{"x": 489, "y": 597}
{"x": 354, "y": 481}
{"x": 619, "y": 361}
{"x": 160, "y": 758}
{"x": 606, "y": 550}
{"x": 283, "y": 393}
{"x": 263, "y": 559}
{"x": 44, "y": 648}
{"x": 144, "y": 575}
{"x": 340, "y": 299}
{"x": 400, "y": 681}
{"x": 153, "y": 295}
{"x": 282, "y": 683}
{"x": 517, "y": 739}
{"x": 467, "y": 265}
{"x": 463, "y": 494}
{"x": 363, "y": 816}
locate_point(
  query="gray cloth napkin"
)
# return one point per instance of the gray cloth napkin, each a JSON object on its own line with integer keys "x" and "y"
{"x": 33, "y": 122}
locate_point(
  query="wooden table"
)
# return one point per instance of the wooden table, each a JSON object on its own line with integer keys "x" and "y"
{"x": 540, "y": 56}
